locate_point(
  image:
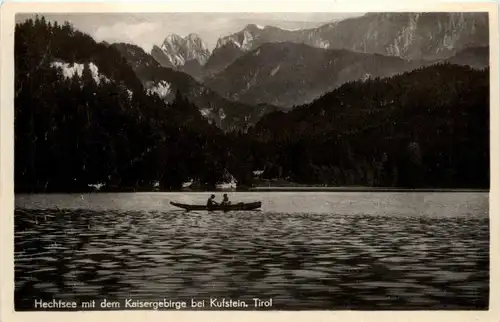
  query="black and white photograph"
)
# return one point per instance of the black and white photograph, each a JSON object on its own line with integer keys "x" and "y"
{"x": 250, "y": 161}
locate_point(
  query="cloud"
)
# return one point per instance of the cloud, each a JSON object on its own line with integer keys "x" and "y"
{"x": 148, "y": 29}
{"x": 143, "y": 34}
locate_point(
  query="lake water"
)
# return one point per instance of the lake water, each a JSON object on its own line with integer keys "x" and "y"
{"x": 331, "y": 250}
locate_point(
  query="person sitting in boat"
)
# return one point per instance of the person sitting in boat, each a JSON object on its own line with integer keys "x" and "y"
{"x": 225, "y": 200}
{"x": 211, "y": 201}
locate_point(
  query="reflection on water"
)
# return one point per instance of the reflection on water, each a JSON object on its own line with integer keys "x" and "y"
{"x": 301, "y": 260}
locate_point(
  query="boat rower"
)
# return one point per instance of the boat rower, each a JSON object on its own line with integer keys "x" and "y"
{"x": 211, "y": 201}
{"x": 225, "y": 200}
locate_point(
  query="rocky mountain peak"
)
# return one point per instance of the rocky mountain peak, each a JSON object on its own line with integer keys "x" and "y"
{"x": 179, "y": 50}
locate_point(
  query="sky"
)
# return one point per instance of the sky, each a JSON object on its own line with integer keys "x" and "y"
{"x": 148, "y": 29}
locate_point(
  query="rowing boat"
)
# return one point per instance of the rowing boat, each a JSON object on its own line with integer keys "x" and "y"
{"x": 237, "y": 206}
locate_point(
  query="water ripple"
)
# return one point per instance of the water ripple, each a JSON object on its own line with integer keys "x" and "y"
{"x": 303, "y": 261}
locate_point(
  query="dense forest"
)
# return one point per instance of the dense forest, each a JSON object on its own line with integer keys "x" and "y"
{"x": 425, "y": 128}
{"x": 71, "y": 132}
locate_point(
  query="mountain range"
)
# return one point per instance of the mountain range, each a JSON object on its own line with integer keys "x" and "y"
{"x": 288, "y": 74}
{"x": 270, "y": 65}
{"x": 412, "y": 36}
{"x": 89, "y": 112}
{"x": 261, "y": 69}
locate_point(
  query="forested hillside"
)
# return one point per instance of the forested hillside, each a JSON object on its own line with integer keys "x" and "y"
{"x": 425, "y": 128}
{"x": 82, "y": 117}
{"x": 97, "y": 125}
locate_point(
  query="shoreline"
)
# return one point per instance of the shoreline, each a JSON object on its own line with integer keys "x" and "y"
{"x": 361, "y": 189}
{"x": 275, "y": 189}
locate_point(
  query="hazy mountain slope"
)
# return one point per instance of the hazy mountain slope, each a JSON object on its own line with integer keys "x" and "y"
{"x": 287, "y": 74}
{"x": 160, "y": 57}
{"x": 226, "y": 114}
{"x": 475, "y": 57}
{"x": 221, "y": 57}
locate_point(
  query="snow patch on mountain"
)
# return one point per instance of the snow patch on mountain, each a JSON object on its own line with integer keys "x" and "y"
{"x": 324, "y": 44}
{"x": 162, "y": 89}
{"x": 70, "y": 70}
{"x": 275, "y": 70}
{"x": 235, "y": 42}
{"x": 222, "y": 115}
{"x": 243, "y": 40}
{"x": 290, "y": 29}
{"x": 205, "y": 112}
{"x": 247, "y": 40}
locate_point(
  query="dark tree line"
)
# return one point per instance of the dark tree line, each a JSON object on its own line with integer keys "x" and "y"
{"x": 75, "y": 131}
{"x": 427, "y": 128}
